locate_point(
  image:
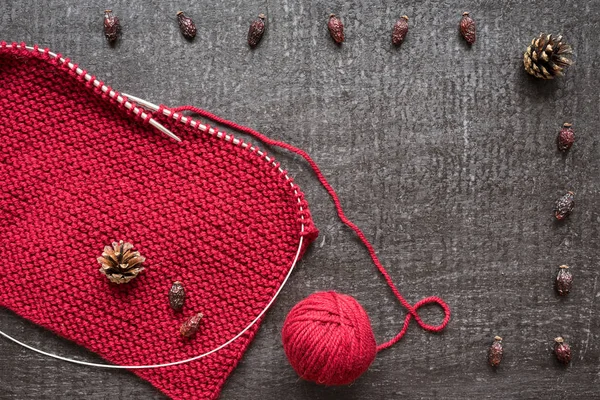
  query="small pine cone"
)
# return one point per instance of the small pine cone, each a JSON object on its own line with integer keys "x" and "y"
{"x": 566, "y": 137}
{"x": 121, "y": 263}
{"x": 186, "y": 26}
{"x": 562, "y": 350}
{"x": 256, "y": 31}
{"x": 336, "y": 28}
{"x": 564, "y": 280}
{"x": 547, "y": 56}
{"x": 191, "y": 326}
{"x": 564, "y": 206}
{"x": 400, "y": 30}
{"x": 112, "y": 26}
{"x": 467, "y": 28}
{"x": 495, "y": 352}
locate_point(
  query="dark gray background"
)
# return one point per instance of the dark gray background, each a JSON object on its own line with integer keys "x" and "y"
{"x": 445, "y": 155}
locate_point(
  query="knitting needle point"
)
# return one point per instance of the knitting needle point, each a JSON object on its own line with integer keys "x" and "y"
{"x": 169, "y": 113}
{"x": 163, "y": 130}
{"x": 148, "y": 105}
{"x": 142, "y": 102}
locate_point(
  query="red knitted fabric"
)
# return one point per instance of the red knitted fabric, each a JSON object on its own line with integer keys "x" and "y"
{"x": 78, "y": 172}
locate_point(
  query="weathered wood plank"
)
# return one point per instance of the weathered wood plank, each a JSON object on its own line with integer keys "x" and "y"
{"x": 444, "y": 155}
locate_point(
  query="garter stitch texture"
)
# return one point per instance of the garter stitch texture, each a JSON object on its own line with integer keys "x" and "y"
{"x": 78, "y": 171}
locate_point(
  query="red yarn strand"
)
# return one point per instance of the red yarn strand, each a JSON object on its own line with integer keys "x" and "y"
{"x": 412, "y": 310}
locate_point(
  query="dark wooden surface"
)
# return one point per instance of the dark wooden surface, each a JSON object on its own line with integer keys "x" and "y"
{"x": 445, "y": 155}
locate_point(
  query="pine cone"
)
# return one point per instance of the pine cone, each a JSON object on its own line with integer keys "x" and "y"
{"x": 547, "y": 56}
{"x": 121, "y": 263}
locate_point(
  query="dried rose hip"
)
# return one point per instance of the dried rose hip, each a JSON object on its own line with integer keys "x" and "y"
{"x": 495, "y": 352}
{"x": 177, "y": 296}
{"x": 112, "y": 26}
{"x": 336, "y": 28}
{"x": 256, "y": 31}
{"x": 564, "y": 206}
{"x": 400, "y": 30}
{"x": 191, "y": 326}
{"x": 186, "y": 26}
{"x": 562, "y": 350}
{"x": 467, "y": 28}
{"x": 566, "y": 137}
{"x": 564, "y": 280}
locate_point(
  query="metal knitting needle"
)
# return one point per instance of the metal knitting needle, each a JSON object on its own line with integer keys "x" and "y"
{"x": 169, "y": 113}
{"x": 164, "y": 130}
{"x": 142, "y": 102}
{"x": 202, "y": 127}
{"x": 113, "y": 94}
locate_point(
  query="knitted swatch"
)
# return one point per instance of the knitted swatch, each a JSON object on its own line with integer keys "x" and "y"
{"x": 79, "y": 171}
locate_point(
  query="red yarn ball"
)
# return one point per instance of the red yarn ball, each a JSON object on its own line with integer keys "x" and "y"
{"x": 328, "y": 339}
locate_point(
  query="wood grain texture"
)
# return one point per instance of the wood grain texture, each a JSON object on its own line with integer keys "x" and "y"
{"x": 445, "y": 155}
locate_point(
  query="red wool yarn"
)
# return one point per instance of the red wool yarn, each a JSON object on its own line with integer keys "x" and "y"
{"x": 328, "y": 339}
{"x": 325, "y": 316}
{"x": 215, "y": 200}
